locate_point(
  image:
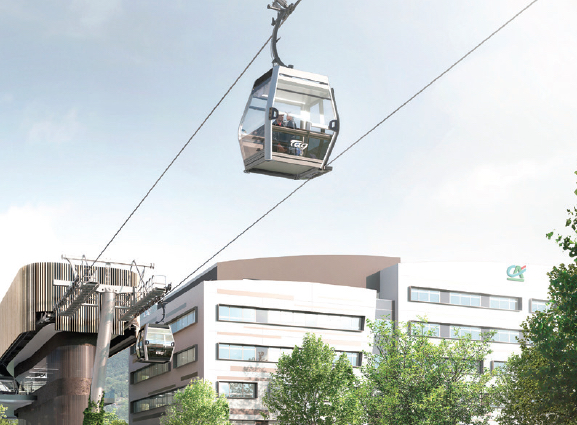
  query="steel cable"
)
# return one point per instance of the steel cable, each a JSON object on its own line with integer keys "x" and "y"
{"x": 358, "y": 140}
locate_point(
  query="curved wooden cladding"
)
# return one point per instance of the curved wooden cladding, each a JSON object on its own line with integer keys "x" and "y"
{"x": 33, "y": 291}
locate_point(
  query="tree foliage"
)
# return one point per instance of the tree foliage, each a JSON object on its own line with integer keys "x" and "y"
{"x": 312, "y": 386}
{"x": 520, "y": 393}
{"x": 541, "y": 383}
{"x": 3, "y": 420}
{"x": 412, "y": 379}
{"x": 197, "y": 404}
{"x": 111, "y": 418}
{"x": 94, "y": 413}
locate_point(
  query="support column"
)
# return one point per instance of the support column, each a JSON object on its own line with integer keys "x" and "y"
{"x": 107, "y": 303}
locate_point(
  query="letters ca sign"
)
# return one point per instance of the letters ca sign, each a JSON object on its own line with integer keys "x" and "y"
{"x": 515, "y": 273}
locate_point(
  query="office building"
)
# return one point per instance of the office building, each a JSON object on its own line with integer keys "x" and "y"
{"x": 233, "y": 322}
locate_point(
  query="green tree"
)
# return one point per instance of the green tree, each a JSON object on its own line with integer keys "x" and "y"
{"x": 519, "y": 396}
{"x": 541, "y": 383}
{"x": 111, "y": 418}
{"x": 94, "y": 413}
{"x": 197, "y": 404}
{"x": 3, "y": 420}
{"x": 412, "y": 379}
{"x": 313, "y": 386}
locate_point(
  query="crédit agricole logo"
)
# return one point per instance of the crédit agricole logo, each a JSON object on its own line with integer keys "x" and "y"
{"x": 516, "y": 273}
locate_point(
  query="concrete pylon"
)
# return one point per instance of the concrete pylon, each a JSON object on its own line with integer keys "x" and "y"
{"x": 107, "y": 300}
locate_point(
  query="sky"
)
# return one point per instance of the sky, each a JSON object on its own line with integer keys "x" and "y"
{"x": 96, "y": 99}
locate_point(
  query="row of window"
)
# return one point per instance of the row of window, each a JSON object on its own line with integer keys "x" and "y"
{"x": 179, "y": 359}
{"x": 229, "y": 389}
{"x": 252, "y": 353}
{"x": 473, "y": 300}
{"x": 501, "y": 335}
{"x": 153, "y": 402}
{"x": 289, "y": 318}
{"x": 149, "y": 372}
{"x": 183, "y": 321}
{"x": 234, "y": 390}
{"x": 238, "y": 389}
{"x": 186, "y": 356}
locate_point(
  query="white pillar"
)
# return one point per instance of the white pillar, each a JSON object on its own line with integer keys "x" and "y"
{"x": 107, "y": 302}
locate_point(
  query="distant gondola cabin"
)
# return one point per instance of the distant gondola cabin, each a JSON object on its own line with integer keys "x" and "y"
{"x": 154, "y": 344}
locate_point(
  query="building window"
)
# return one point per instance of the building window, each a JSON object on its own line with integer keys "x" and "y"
{"x": 184, "y": 357}
{"x": 506, "y": 336}
{"x": 289, "y": 318}
{"x": 251, "y": 353}
{"x": 432, "y": 329}
{"x": 153, "y": 402}
{"x": 354, "y": 357}
{"x": 237, "y": 389}
{"x": 496, "y": 364}
{"x": 458, "y": 298}
{"x": 236, "y": 314}
{"x": 503, "y": 303}
{"x": 183, "y": 321}
{"x": 461, "y": 331}
{"x": 426, "y": 329}
{"x": 150, "y": 372}
{"x": 427, "y": 295}
{"x": 538, "y": 305}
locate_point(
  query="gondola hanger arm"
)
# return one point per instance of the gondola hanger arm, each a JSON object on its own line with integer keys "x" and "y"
{"x": 283, "y": 12}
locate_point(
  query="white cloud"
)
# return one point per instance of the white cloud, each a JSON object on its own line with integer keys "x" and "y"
{"x": 55, "y": 129}
{"x": 27, "y": 235}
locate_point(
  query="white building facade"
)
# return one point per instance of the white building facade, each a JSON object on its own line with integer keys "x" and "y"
{"x": 232, "y": 323}
{"x": 468, "y": 298}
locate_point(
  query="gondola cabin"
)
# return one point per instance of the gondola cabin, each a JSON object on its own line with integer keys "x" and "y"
{"x": 154, "y": 344}
{"x": 290, "y": 125}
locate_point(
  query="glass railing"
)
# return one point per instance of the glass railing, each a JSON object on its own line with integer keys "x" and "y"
{"x": 300, "y": 143}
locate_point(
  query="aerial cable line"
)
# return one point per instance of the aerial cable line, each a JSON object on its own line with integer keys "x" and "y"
{"x": 182, "y": 149}
{"x": 358, "y": 140}
{"x": 191, "y": 137}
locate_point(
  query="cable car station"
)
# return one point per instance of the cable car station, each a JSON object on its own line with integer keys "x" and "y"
{"x": 61, "y": 323}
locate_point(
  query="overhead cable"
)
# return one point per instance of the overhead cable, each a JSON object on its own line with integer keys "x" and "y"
{"x": 357, "y": 141}
{"x": 182, "y": 149}
{"x": 293, "y": 7}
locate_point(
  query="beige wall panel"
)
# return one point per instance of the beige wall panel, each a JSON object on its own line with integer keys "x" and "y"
{"x": 345, "y": 270}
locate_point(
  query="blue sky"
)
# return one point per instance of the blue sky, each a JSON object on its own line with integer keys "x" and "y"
{"x": 96, "y": 98}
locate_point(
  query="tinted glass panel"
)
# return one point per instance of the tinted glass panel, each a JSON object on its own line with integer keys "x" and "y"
{"x": 426, "y": 295}
{"x": 290, "y": 318}
{"x": 538, "y": 305}
{"x": 252, "y": 125}
{"x": 185, "y": 357}
{"x": 461, "y": 331}
{"x": 237, "y": 389}
{"x": 465, "y": 299}
{"x": 503, "y": 303}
